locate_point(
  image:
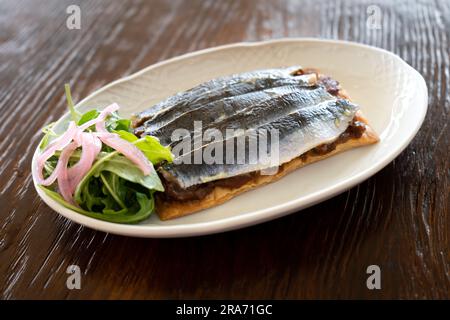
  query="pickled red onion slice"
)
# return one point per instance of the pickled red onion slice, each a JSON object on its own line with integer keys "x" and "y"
{"x": 128, "y": 149}
{"x": 58, "y": 144}
{"x": 101, "y": 117}
{"x": 90, "y": 148}
{"x": 64, "y": 184}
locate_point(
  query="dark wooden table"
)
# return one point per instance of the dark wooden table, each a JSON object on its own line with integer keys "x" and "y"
{"x": 399, "y": 219}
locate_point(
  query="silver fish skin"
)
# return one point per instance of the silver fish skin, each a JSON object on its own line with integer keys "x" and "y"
{"x": 243, "y": 111}
{"x": 246, "y": 91}
{"x": 220, "y": 88}
{"x": 299, "y": 131}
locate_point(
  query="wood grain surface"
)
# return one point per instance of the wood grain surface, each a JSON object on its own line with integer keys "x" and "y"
{"x": 398, "y": 219}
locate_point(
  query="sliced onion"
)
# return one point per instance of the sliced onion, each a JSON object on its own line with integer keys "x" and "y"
{"x": 90, "y": 148}
{"x": 101, "y": 117}
{"x": 58, "y": 144}
{"x": 129, "y": 150}
{"x": 126, "y": 148}
{"x": 64, "y": 184}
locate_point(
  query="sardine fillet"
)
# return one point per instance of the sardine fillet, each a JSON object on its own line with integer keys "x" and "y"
{"x": 168, "y": 208}
{"x": 171, "y": 210}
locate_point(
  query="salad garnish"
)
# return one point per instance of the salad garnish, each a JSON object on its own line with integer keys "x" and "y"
{"x": 99, "y": 168}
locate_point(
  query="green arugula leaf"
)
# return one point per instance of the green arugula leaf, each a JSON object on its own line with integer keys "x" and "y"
{"x": 74, "y": 114}
{"x": 112, "y": 186}
{"x": 144, "y": 206}
{"x": 116, "y": 187}
{"x": 123, "y": 124}
{"x": 115, "y": 123}
{"x": 124, "y": 168}
{"x": 149, "y": 145}
{"x": 88, "y": 116}
{"x": 125, "y": 135}
{"x": 48, "y": 132}
{"x": 153, "y": 150}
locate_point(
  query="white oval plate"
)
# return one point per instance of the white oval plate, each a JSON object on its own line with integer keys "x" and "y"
{"x": 392, "y": 95}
